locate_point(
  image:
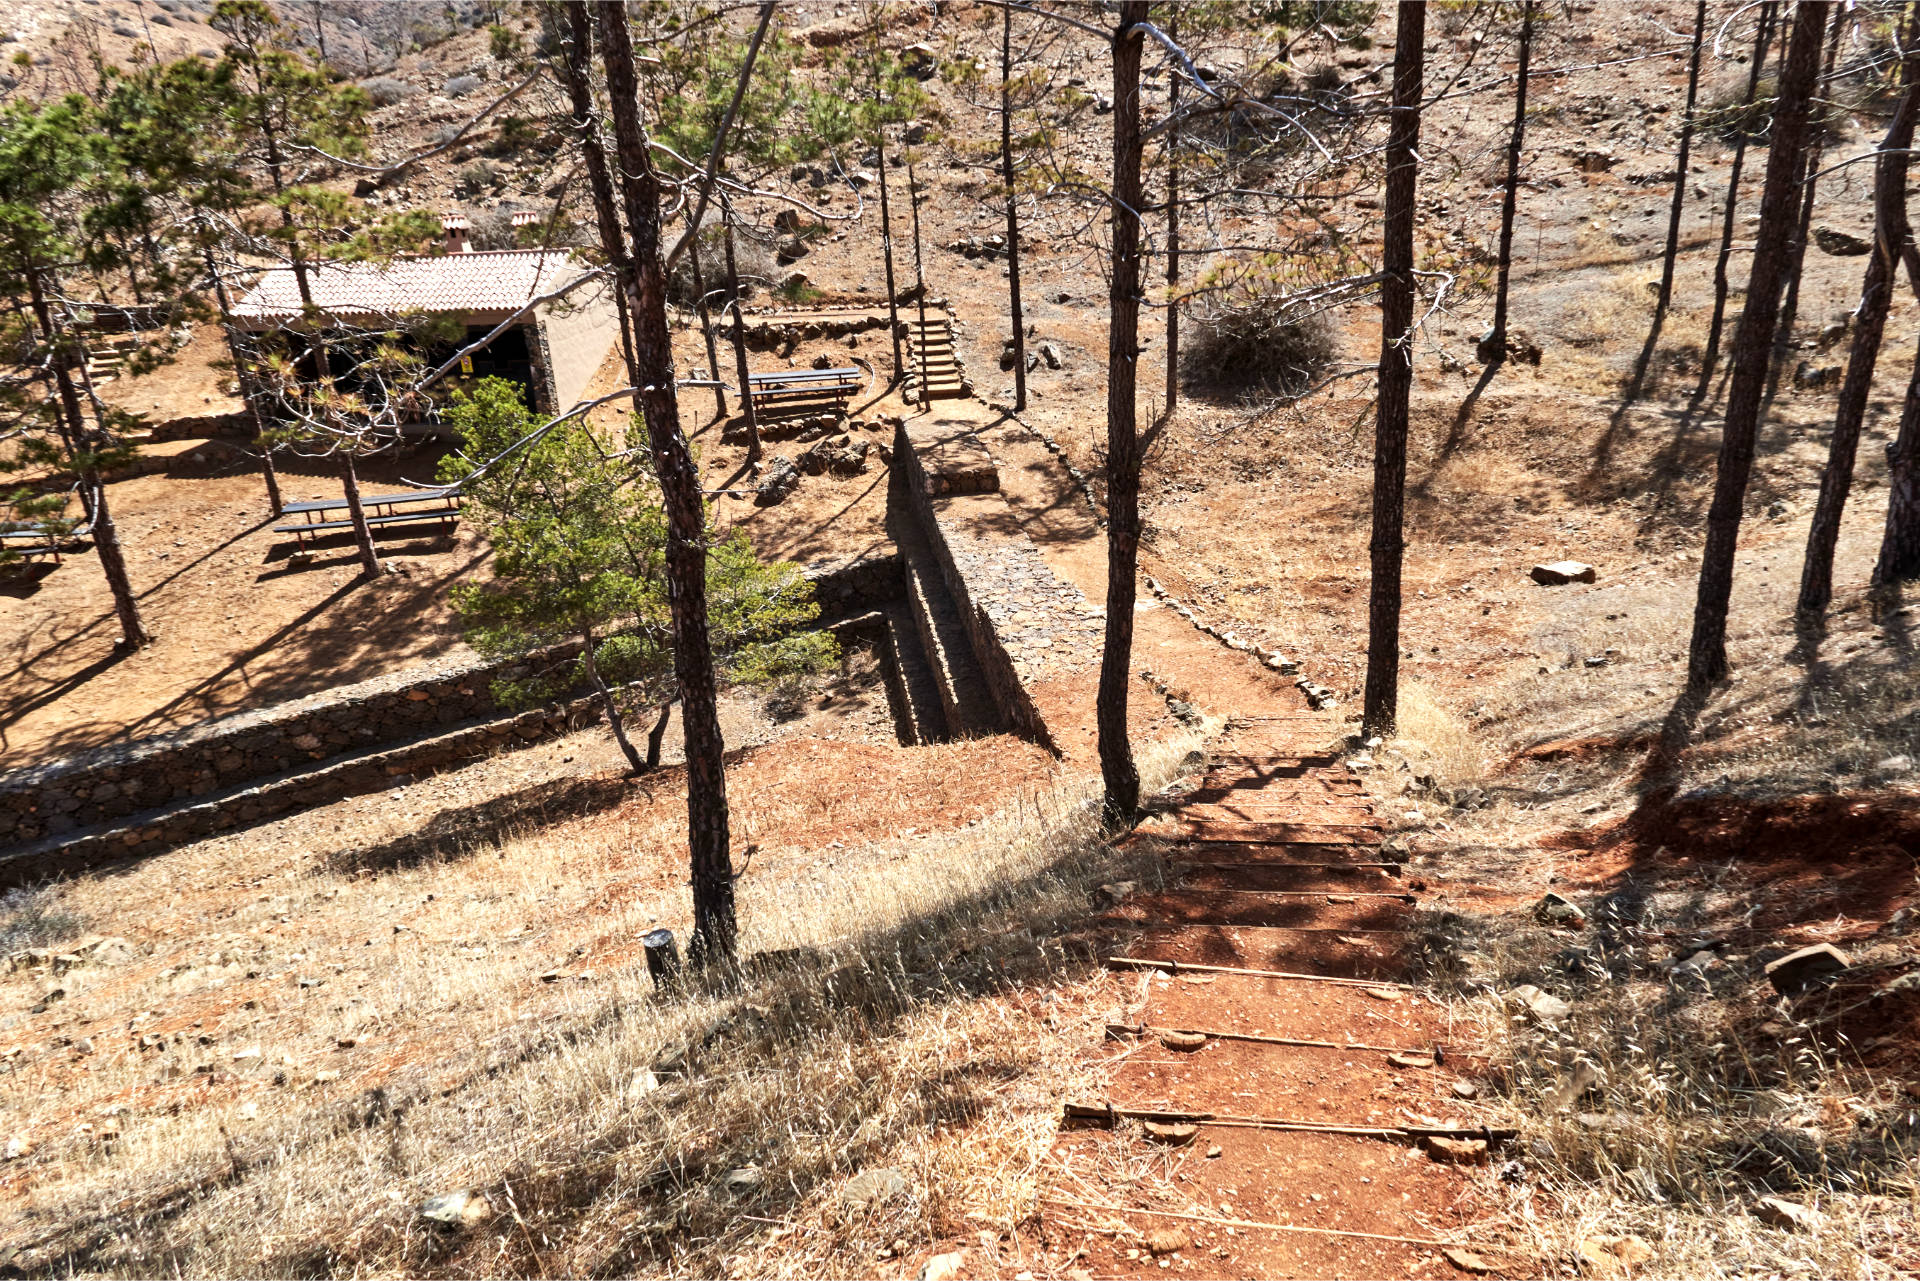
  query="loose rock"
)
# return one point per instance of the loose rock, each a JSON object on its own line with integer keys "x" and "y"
{"x": 1457, "y": 1151}
{"x": 871, "y": 1186}
{"x": 463, "y": 1209}
{"x": 1840, "y": 244}
{"x": 1561, "y": 572}
{"x": 1543, "y": 1006}
{"x": 945, "y": 1267}
{"x": 1467, "y": 1260}
{"x": 1790, "y": 1215}
{"x": 1556, "y": 909}
{"x": 1808, "y": 967}
{"x": 1183, "y": 1041}
{"x": 1167, "y": 1240}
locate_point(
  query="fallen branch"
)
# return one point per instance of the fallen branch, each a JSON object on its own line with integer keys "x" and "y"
{"x": 1109, "y": 1114}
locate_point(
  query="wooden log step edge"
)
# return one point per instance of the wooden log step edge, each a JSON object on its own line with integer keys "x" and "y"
{"x": 1332, "y": 896}
{"x": 1189, "y": 967}
{"x": 1107, "y": 1114}
{"x": 1257, "y": 1226}
{"x": 1437, "y": 1053}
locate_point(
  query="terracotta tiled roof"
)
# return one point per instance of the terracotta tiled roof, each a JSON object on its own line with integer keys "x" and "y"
{"x": 490, "y": 280}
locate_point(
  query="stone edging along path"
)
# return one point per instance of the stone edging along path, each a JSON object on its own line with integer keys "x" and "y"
{"x": 1318, "y": 696}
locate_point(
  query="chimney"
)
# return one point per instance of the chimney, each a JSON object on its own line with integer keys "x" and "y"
{"x": 456, "y": 228}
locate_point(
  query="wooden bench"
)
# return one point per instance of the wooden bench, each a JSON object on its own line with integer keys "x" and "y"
{"x": 799, "y": 390}
{"x": 381, "y": 510}
{"x": 29, "y": 541}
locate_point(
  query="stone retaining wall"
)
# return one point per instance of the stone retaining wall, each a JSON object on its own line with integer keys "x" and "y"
{"x": 304, "y": 789}
{"x": 111, "y": 782}
{"x": 119, "y": 779}
{"x": 1026, "y": 623}
{"x": 856, "y": 584}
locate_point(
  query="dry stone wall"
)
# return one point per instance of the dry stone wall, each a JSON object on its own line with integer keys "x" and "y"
{"x": 1026, "y": 624}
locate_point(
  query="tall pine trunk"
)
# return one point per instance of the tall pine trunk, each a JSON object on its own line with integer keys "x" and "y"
{"x": 1900, "y": 543}
{"x": 919, "y": 281}
{"x": 708, "y": 841}
{"x": 1118, "y": 773}
{"x": 87, "y": 446}
{"x": 886, "y": 252}
{"x": 1681, "y": 162}
{"x": 578, "y": 66}
{"x": 1752, "y": 345}
{"x": 740, "y": 367}
{"x": 1494, "y": 349}
{"x": 1809, "y": 185}
{"x": 1173, "y": 221}
{"x": 1388, "y": 546}
{"x": 1015, "y": 315}
{"x": 706, "y": 325}
{"x": 1710, "y": 355}
{"x": 1890, "y": 232}
{"x": 249, "y": 392}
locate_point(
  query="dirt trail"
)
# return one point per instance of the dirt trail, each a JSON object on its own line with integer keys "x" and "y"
{"x": 1274, "y": 864}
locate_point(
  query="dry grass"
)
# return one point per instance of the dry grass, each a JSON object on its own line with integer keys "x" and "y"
{"x": 1690, "y": 1111}
{"x": 899, "y": 1008}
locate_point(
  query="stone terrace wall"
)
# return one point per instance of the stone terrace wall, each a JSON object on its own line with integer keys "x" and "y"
{"x": 119, "y": 779}
{"x": 1026, "y": 623}
{"x": 228, "y": 810}
{"x": 106, "y": 783}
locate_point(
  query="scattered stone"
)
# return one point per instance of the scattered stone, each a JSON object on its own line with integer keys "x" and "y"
{"x": 1457, "y": 1151}
{"x": 1383, "y": 993}
{"x": 945, "y": 1267}
{"x": 19, "y": 1146}
{"x": 1561, "y": 572}
{"x": 1172, "y": 1131}
{"x": 1213, "y": 1151}
{"x": 1404, "y": 1060}
{"x": 1581, "y": 1078}
{"x": 1465, "y": 1089}
{"x": 1614, "y": 1256}
{"x": 1167, "y": 1240}
{"x": 1809, "y": 376}
{"x": 1840, "y": 244}
{"x": 1543, "y": 1006}
{"x": 1895, "y": 765}
{"x": 1051, "y": 354}
{"x": 745, "y": 1178}
{"x": 780, "y": 480}
{"x": 872, "y": 1186}
{"x": 463, "y": 1209}
{"x": 1556, "y": 909}
{"x": 1183, "y": 1041}
{"x": 641, "y": 1084}
{"x": 1117, "y": 891}
{"x": 1808, "y": 967}
{"x": 1790, "y": 1215}
{"x": 794, "y": 281}
{"x": 1467, "y": 1260}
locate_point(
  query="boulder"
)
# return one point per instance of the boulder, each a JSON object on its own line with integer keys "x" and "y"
{"x": 1807, "y": 375}
{"x": 1556, "y": 909}
{"x": 1561, "y": 572}
{"x": 1840, "y": 244}
{"x": 780, "y": 480}
{"x": 1808, "y": 967}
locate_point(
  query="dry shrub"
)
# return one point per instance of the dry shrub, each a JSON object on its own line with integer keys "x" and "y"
{"x": 753, "y": 262}
{"x": 386, "y": 90}
{"x": 1434, "y": 740}
{"x": 1254, "y": 347}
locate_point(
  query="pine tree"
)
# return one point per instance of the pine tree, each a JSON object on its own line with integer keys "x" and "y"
{"x": 1752, "y": 346}
{"x": 1891, "y": 232}
{"x": 1381, "y": 708}
{"x": 1493, "y": 347}
{"x": 1681, "y": 162}
{"x": 708, "y": 842}
{"x": 47, "y": 150}
{"x": 1710, "y": 355}
{"x": 1119, "y": 774}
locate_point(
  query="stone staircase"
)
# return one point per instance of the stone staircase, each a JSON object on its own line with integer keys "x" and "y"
{"x": 931, "y": 359}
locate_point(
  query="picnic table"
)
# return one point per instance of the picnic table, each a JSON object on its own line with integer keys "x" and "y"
{"x": 416, "y": 506}
{"x": 798, "y": 390}
{"x": 30, "y": 541}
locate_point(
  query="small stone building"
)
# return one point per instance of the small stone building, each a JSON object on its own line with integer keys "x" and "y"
{"x": 553, "y": 352}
